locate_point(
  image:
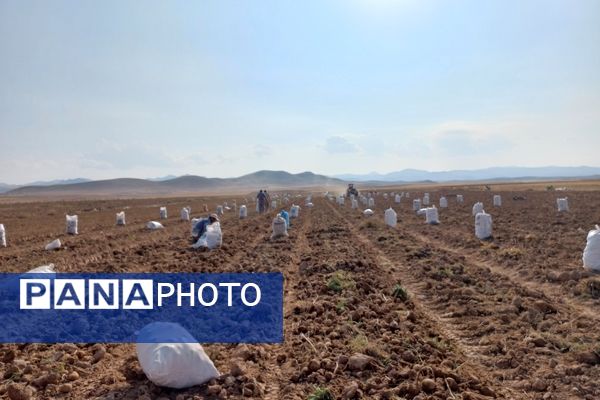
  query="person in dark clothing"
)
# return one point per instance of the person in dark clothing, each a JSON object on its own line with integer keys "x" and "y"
{"x": 262, "y": 201}
{"x": 201, "y": 225}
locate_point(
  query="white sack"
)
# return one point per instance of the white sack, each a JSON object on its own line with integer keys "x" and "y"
{"x": 53, "y": 245}
{"x": 371, "y": 202}
{"x": 279, "y": 227}
{"x": 483, "y": 225}
{"x": 309, "y": 205}
{"x": 243, "y": 212}
{"x": 426, "y": 199}
{"x": 431, "y": 216}
{"x": 295, "y": 211}
{"x": 219, "y": 210}
{"x": 497, "y": 200}
{"x": 562, "y": 204}
{"x": 390, "y": 217}
{"x": 416, "y": 205}
{"x": 354, "y": 203}
{"x": 591, "y": 254}
{"x": 397, "y": 199}
{"x": 212, "y": 238}
{"x": 153, "y": 225}
{"x": 368, "y": 212}
{"x": 460, "y": 198}
{"x": 121, "y": 218}
{"x": 443, "y": 202}
{"x": 185, "y": 214}
{"x": 163, "y": 212}
{"x": 72, "y": 224}
{"x": 477, "y": 208}
{"x": 44, "y": 269}
{"x": 2, "y": 236}
{"x": 173, "y": 365}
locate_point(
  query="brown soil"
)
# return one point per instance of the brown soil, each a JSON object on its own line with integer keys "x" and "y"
{"x": 515, "y": 317}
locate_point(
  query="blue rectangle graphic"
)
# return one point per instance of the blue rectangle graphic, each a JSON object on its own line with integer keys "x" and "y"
{"x": 114, "y": 308}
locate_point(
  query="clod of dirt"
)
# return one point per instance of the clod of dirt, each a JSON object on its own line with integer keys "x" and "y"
{"x": 351, "y": 391}
{"x": 359, "y": 362}
{"x": 588, "y": 357}
{"x": 19, "y": 392}
{"x": 73, "y": 376}
{"x": 99, "y": 354}
{"x": 46, "y": 379}
{"x": 408, "y": 356}
{"x": 314, "y": 365}
{"x": 236, "y": 369}
{"x": 9, "y": 356}
{"x": 428, "y": 385}
{"x": 65, "y": 388}
{"x": 544, "y": 307}
{"x": 539, "y": 385}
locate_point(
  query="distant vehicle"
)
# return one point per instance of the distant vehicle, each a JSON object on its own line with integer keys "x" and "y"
{"x": 352, "y": 191}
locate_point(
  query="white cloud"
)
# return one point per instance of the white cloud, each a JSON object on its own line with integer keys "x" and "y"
{"x": 340, "y": 145}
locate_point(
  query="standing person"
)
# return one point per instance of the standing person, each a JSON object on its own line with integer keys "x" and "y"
{"x": 268, "y": 199}
{"x": 261, "y": 198}
{"x": 201, "y": 225}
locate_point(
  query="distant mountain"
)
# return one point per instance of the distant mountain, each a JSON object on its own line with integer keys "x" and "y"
{"x": 495, "y": 173}
{"x": 163, "y": 178}
{"x": 182, "y": 184}
{"x": 5, "y": 187}
{"x": 58, "y": 182}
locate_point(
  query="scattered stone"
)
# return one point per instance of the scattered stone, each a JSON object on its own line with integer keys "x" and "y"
{"x": 539, "y": 385}
{"x": 237, "y": 370}
{"x": 359, "y": 362}
{"x": 73, "y": 376}
{"x": 428, "y": 385}
{"x": 65, "y": 388}
{"x": 588, "y": 357}
{"x": 99, "y": 354}
{"x": 351, "y": 391}
{"x": 19, "y": 392}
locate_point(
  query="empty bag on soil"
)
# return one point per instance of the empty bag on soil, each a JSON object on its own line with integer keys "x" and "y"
{"x": 163, "y": 213}
{"x": 173, "y": 365}
{"x": 72, "y": 224}
{"x": 368, "y": 212}
{"x": 591, "y": 254}
{"x": 390, "y": 217}
{"x": 212, "y": 238}
{"x": 153, "y": 225}
{"x": 279, "y": 227}
{"x": 2, "y": 236}
{"x": 243, "y": 212}
{"x": 53, "y": 245}
{"x": 483, "y": 225}
{"x": 44, "y": 269}
{"x": 121, "y": 218}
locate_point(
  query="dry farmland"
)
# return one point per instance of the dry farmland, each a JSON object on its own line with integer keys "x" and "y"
{"x": 413, "y": 312}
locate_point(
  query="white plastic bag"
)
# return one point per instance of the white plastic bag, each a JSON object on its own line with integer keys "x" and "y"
{"x": 212, "y": 238}
{"x": 397, "y": 199}
{"x": 354, "y": 204}
{"x": 371, "y": 202}
{"x": 163, "y": 213}
{"x": 497, "y": 200}
{"x": 121, "y": 218}
{"x": 562, "y": 204}
{"x": 243, "y": 212}
{"x": 173, "y": 365}
{"x": 477, "y": 208}
{"x": 390, "y": 217}
{"x": 591, "y": 254}
{"x": 295, "y": 211}
{"x": 72, "y": 224}
{"x": 53, "y": 245}
{"x": 426, "y": 199}
{"x": 2, "y": 236}
{"x": 421, "y": 211}
{"x": 44, "y": 269}
{"x": 153, "y": 225}
{"x": 460, "y": 198}
{"x": 341, "y": 200}
{"x": 443, "y": 202}
{"x": 279, "y": 227}
{"x": 185, "y": 214}
{"x": 309, "y": 205}
{"x": 368, "y": 212}
{"x": 416, "y": 205}
{"x": 431, "y": 216}
{"x": 483, "y": 225}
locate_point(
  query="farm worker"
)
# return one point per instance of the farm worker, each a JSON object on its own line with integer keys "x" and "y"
{"x": 201, "y": 225}
{"x": 284, "y": 214}
{"x": 261, "y": 198}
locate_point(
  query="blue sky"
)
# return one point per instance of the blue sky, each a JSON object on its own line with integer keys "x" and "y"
{"x": 104, "y": 89}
